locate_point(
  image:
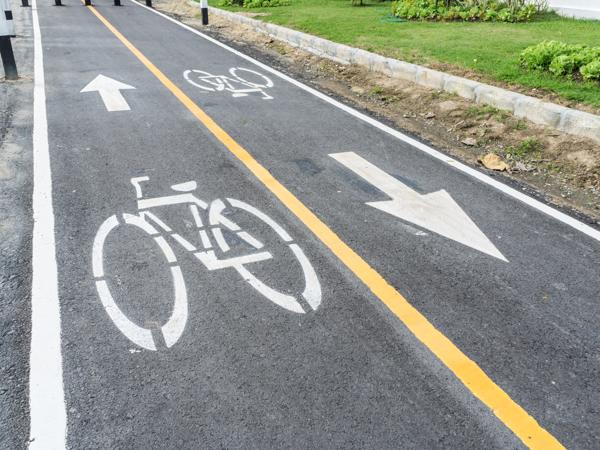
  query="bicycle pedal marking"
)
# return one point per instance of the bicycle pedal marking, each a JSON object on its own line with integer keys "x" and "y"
{"x": 237, "y": 82}
{"x": 210, "y": 237}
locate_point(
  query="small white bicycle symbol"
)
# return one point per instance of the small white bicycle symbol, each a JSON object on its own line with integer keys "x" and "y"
{"x": 212, "y": 224}
{"x": 239, "y": 86}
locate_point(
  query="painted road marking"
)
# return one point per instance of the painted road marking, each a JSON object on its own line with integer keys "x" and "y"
{"x": 47, "y": 411}
{"x": 218, "y": 83}
{"x": 437, "y": 211}
{"x": 110, "y": 92}
{"x": 159, "y": 231}
{"x": 533, "y": 203}
{"x": 467, "y": 371}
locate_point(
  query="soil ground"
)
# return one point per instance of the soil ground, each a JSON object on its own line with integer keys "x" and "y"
{"x": 554, "y": 166}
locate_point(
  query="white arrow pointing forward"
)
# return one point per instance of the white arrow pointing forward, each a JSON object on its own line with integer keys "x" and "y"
{"x": 110, "y": 91}
{"x": 436, "y": 212}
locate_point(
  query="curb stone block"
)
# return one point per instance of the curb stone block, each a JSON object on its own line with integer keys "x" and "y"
{"x": 327, "y": 47}
{"x": 294, "y": 38}
{"x": 461, "y": 87}
{"x": 538, "y": 111}
{"x": 381, "y": 65}
{"x": 362, "y": 58}
{"x": 403, "y": 70}
{"x": 306, "y": 40}
{"x": 282, "y": 35}
{"x": 500, "y": 98}
{"x": 580, "y": 123}
{"x": 273, "y": 30}
{"x": 344, "y": 53}
{"x": 430, "y": 78}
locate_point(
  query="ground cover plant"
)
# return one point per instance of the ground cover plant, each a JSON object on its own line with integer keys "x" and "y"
{"x": 487, "y": 51}
{"x": 470, "y": 10}
{"x": 572, "y": 61}
{"x": 254, "y": 3}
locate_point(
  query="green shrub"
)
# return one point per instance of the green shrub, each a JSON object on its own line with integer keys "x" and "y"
{"x": 562, "y": 59}
{"x": 587, "y": 55}
{"x": 469, "y": 10}
{"x": 254, "y": 3}
{"x": 563, "y": 65}
{"x": 541, "y": 55}
{"x": 591, "y": 71}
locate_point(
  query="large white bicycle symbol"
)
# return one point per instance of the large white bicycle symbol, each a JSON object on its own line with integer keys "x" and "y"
{"x": 239, "y": 85}
{"x": 212, "y": 224}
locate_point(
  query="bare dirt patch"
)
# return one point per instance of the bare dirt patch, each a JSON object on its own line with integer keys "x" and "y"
{"x": 562, "y": 168}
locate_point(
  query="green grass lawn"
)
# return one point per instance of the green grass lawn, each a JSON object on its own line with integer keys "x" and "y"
{"x": 490, "y": 49}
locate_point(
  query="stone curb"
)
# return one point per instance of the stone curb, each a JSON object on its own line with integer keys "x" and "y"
{"x": 569, "y": 120}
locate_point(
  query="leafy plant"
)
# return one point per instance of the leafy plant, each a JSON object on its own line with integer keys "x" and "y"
{"x": 254, "y": 3}
{"x": 563, "y": 65}
{"x": 562, "y": 59}
{"x": 541, "y": 55}
{"x": 591, "y": 71}
{"x": 469, "y": 10}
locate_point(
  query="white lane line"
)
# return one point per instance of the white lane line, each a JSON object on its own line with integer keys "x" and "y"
{"x": 48, "y": 426}
{"x": 533, "y": 203}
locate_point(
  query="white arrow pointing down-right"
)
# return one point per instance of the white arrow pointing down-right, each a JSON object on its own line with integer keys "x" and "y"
{"x": 437, "y": 211}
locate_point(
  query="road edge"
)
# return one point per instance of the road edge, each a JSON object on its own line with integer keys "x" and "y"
{"x": 549, "y": 210}
{"x": 568, "y": 120}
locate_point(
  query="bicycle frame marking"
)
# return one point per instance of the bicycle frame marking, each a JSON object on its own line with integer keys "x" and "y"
{"x": 219, "y": 83}
{"x": 154, "y": 227}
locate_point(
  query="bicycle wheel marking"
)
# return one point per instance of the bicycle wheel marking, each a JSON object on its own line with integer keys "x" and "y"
{"x": 238, "y": 85}
{"x": 209, "y": 236}
{"x": 141, "y": 336}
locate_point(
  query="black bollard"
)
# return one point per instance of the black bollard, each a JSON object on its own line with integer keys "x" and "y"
{"x": 8, "y": 58}
{"x": 117, "y": 2}
{"x": 204, "y": 9}
{"x": 24, "y": 2}
{"x": 149, "y": 3}
{"x": 57, "y": 3}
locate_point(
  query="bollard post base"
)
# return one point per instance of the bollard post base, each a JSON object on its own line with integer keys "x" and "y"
{"x": 24, "y": 3}
{"x": 117, "y": 2}
{"x": 204, "y": 16}
{"x": 8, "y": 59}
{"x": 149, "y": 3}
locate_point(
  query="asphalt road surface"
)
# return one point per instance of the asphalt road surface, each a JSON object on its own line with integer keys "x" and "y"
{"x": 224, "y": 258}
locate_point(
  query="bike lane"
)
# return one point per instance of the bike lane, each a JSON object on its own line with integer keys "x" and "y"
{"x": 245, "y": 372}
{"x": 527, "y": 322}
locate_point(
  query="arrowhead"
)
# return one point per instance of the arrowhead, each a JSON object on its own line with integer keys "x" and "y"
{"x": 439, "y": 213}
{"x": 103, "y": 83}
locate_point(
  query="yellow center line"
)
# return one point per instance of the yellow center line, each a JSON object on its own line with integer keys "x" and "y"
{"x": 467, "y": 371}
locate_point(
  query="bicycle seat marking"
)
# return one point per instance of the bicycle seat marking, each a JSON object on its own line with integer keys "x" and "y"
{"x": 240, "y": 82}
{"x": 210, "y": 222}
